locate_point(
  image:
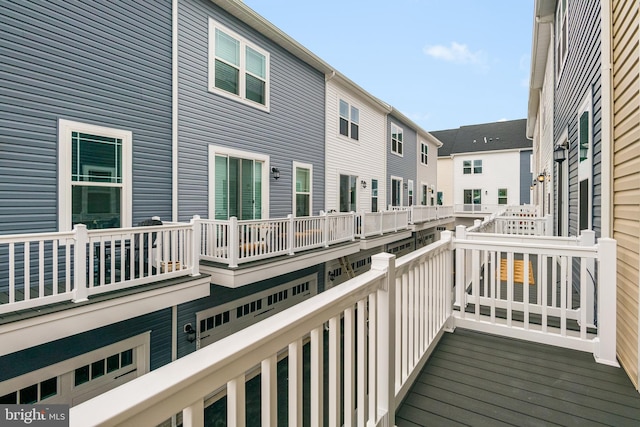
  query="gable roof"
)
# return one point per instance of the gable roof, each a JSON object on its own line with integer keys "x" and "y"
{"x": 505, "y": 135}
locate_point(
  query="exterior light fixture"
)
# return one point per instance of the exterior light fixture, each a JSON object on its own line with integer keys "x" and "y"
{"x": 191, "y": 333}
{"x": 541, "y": 177}
{"x": 559, "y": 154}
{"x": 276, "y": 173}
{"x": 363, "y": 183}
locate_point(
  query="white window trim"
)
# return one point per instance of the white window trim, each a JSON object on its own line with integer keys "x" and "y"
{"x": 422, "y": 143}
{"x": 557, "y": 40}
{"x": 242, "y": 83}
{"x": 585, "y": 167}
{"x": 65, "y": 127}
{"x": 399, "y": 131}
{"x": 350, "y": 105}
{"x": 230, "y": 152}
{"x": 295, "y": 167}
{"x": 65, "y": 370}
{"x": 397, "y": 178}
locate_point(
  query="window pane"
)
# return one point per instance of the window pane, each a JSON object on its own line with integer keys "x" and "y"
{"x": 81, "y": 375}
{"x": 257, "y": 190}
{"x": 344, "y": 127}
{"x": 29, "y": 394}
{"x": 255, "y": 90}
{"x": 374, "y": 187}
{"x": 354, "y": 131}
{"x": 477, "y": 166}
{"x": 126, "y": 358}
{"x": 344, "y": 109}
{"x": 113, "y": 363}
{"x": 302, "y": 204}
{"x": 256, "y": 63}
{"x": 97, "y": 369}
{"x": 9, "y": 399}
{"x": 584, "y": 135}
{"x": 227, "y": 77}
{"x": 48, "y": 388}
{"x": 355, "y": 115}
{"x": 247, "y": 189}
{"x": 96, "y": 158}
{"x": 227, "y": 48}
{"x": 302, "y": 180}
{"x": 96, "y": 207}
{"x": 221, "y": 188}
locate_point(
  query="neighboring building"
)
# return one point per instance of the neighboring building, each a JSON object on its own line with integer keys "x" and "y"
{"x": 584, "y": 107}
{"x": 483, "y": 167}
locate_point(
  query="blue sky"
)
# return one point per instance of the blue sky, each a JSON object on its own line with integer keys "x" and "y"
{"x": 442, "y": 63}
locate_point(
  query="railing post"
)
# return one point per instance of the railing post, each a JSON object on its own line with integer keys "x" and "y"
{"x": 461, "y": 234}
{"x": 354, "y": 219}
{"x": 605, "y": 347}
{"x": 325, "y": 235}
{"x": 588, "y": 238}
{"x": 196, "y": 236}
{"x": 381, "y": 223}
{"x": 548, "y": 225}
{"x": 193, "y": 416}
{"x": 449, "y": 325}
{"x": 80, "y": 261}
{"x": 291, "y": 235}
{"x": 386, "y": 323}
{"x": 234, "y": 242}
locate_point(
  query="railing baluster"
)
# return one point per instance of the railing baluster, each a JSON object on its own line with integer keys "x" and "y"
{"x": 236, "y": 402}
{"x": 41, "y": 269}
{"x": 27, "y": 271}
{"x": 316, "y": 374}
{"x": 269, "y": 391}
{"x": 349, "y": 368}
{"x": 361, "y": 381}
{"x": 295, "y": 385}
{"x": 334, "y": 371}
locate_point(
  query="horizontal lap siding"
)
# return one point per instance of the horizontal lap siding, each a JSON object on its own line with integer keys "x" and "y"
{"x": 626, "y": 176}
{"x": 293, "y": 130}
{"x": 580, "y": 77}
{"x": 100, "y": 62}
{"x": 404, "y": 166}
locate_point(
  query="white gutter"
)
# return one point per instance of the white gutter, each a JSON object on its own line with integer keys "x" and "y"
{"x": 174, "y": 110}
{"x": 607, "y": 119}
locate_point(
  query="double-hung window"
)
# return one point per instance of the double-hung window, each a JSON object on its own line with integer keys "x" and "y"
{"x": 561, "y": 35}
{"x": 471, "y": 167}
{"x": 424, "y": 154}
{"x": 302, "y": 189}
{"x": 349, "y": 120}
{"x": 94, "y": 176}
{"x": 238, "y": 69}
{"x": 396, "y": 139}
{"x": 502, "y": 196}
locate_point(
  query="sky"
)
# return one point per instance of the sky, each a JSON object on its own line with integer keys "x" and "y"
{"x": 442, "y": 63}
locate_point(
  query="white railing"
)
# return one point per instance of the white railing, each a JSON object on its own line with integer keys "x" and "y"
{"x": 234, "y": 241}
{"x": 419, "y": 213}
{"x": 392, "y": 317}
{"x": 45, "y": 268}
{"x": 378, "y": 223}
{"x": 480, "y": 209}
{"x": 539, "y": 288}
{"x": 528, "y": 226}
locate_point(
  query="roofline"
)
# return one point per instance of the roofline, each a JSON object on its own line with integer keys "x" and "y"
{"x": 544, "y": 11}
{"x": 417, "y": 128}
{"x": 502, "y": 150}
{"x": 250, "y": 17}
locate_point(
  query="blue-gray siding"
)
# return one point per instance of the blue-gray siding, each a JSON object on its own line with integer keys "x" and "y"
{"x": 580, "y": 77}
{"x": 293, "y": 130}
{"x": 525, "y": 177}
{"x": 101, "y": 62}
{"x": 404, "y": 166}
{"x": 31, "y": 359}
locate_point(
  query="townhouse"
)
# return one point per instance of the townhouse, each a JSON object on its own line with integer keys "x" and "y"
{"x": 189, "y": 108}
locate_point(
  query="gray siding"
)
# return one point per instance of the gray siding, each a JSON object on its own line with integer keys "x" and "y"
{"x": 101, "y": 62}
{"x": 31, "y": 359}
{"x": 525, "y": 177}
{"x": 405, "y": 166}
{"x": 293, "y": 130}
{"x": 580, "y": 77}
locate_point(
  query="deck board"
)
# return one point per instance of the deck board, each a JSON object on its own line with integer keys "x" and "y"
{"x": 479, "y": 379}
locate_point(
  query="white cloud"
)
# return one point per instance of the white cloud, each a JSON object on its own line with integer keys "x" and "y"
{"x": 457, "y": 53}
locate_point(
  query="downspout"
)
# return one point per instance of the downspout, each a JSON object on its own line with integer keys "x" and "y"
{"x": 327, "y": 78}
{"x": 174, "y": 111}
{"x": 607, "y": 119}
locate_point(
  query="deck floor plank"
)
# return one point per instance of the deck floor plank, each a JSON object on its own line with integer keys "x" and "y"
{"x": 478, "y": 379}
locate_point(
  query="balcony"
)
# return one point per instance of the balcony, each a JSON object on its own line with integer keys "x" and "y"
{"x": 379, "y": 329}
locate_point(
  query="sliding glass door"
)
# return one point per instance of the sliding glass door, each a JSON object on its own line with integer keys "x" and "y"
{"x": 238, "y": 188}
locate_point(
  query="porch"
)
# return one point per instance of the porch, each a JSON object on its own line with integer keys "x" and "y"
{"x": 383, "y": 328}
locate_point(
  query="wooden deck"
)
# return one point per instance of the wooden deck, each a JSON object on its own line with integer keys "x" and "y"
{"x": 483, "y": 380}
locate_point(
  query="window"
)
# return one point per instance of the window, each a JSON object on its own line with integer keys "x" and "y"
{"x": 585, "y": 172}
{"x": 440, "y": 198}
{"x": 425, "y": 194}
{"x": 467, "y": 168}
{"x": 348, "y": 200}
{"x": 302, "y": 190}
{"x": 396, "y": 191}
{"x": 237, "y": 68}
{"x": 374, "y": 195}
{"x": 237, "y": 184}
{"x": 424, "y": 154}
{"x": 584, "y": 136}
{"x": 472, "y": 200}
{"x": 561, "y": 35}
{"x": 410, "y": 192}
{"x": 94, "y": 176}
{"x": 349, "y": 120}
{"x": 502, "y": 196}
{"x": 396, "y": 139}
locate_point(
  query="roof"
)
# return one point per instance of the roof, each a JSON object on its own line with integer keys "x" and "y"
{"x": 504, "y": 135}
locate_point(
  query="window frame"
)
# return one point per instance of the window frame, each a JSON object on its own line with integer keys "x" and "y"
{"x": 400, "y": 182}
{"x": 374, "y": 195}
{"x": 295, "y": 167}
{"x": 585, "y": 165}
{"x": 349, "y": 119}
{"x": 242, "y": 67}
{"x": 505, "y": 197}
{"x": 424, "y": 153}
{"x": 561, "y": 29}
{"x": 66, "y": 183}
{"x": 399, "y": 142}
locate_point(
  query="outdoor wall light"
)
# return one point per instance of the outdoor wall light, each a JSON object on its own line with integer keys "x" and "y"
{"x": 406, "y": 185}
{"x": 363, "y": 183}
{"x": 191, "y": 333}
{"x": 276, "y": 173}
{"x": 559, "y": 154}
